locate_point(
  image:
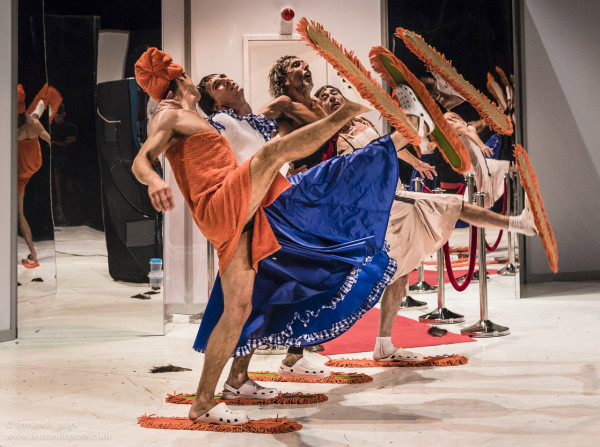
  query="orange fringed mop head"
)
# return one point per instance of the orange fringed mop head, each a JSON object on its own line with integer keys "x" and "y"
{"x": 352, "y": 69}
{"x": 438, "y": 63}
{"x": 335, "y": 377}
{"x": 282, "y": 399}
{"x": 529, "y": 181}
{"x": 503, "y": 77}
{"x": 496, "y": 91}
{"x": 269, "y": 426}
{"x": 50, "y": 97}
{"x": 449, "y": 143}
{"x": 440, "y": 360}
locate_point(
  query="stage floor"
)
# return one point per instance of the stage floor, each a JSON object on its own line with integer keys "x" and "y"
{"x": 539, "y": 385}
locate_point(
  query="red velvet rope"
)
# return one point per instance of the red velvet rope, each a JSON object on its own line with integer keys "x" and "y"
{"x": 495, "y": 246}
{"x": 472, "y": 253}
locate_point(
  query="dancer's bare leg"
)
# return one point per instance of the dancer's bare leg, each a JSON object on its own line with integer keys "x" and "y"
{"x": 481, "y": 217}
{"x": 237, "y": 282}
{"x": 238, "y": 374}
{"x": 390, "y": 304}
{"x": 25, "y": 229}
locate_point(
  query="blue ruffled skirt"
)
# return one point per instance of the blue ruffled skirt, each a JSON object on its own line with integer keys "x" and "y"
{"x": 333, "y": 265}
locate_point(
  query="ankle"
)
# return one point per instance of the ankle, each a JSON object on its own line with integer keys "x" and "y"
{"x": 291, "y": 359}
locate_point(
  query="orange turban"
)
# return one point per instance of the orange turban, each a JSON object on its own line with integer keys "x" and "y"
{"x": 154, "y": 70}
{"x": 20, "y": 99}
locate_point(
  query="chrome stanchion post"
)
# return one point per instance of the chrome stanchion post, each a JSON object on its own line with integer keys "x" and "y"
{"x": 441, "y": 315}
{"x": 421, "y": 286}
{"x": 484, "y": 327}
{"x": 509, "y": 269}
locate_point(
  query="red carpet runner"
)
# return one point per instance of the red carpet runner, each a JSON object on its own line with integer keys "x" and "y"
{"x": 407, "y": 333}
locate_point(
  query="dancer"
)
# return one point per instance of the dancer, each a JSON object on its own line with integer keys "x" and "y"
{"x": 226, "y": 201}
{"x": 30, "y": 130}
{"x": 223, "y": 100}
{"x": 419, "y": 225}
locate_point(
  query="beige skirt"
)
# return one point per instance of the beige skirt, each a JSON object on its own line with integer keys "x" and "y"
{"x": 488, "y": 172}
{"x": 419, "y": 226}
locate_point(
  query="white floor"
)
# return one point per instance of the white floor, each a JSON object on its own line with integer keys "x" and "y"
{"x": 79, "y": 377}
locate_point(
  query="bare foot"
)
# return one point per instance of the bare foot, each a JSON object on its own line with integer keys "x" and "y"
{"x": 199, "y": 408}
{"x": 291, "y": 359}
{"x": 354, "y": 108}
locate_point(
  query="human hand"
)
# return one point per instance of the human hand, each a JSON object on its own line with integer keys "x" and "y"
{"x": 425, "y": 170}
{"x": 292, "y": 171}
{"x": 487, "y": 151}
{"x": 161, "y": 195}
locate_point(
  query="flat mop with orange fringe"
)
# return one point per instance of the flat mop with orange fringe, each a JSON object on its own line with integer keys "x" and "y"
{"x": 438, "y": 64}
{"x": 496, "y": 91}
{"x": 335, "y": 377}
{"x": 348, "y": 65}
{"x": 282, "y": 399}
{"x": 530, "y": 184}
{"x": 268, "y": 426}
{"x": 395, "y": 73}
{"x": 440, "y": 360}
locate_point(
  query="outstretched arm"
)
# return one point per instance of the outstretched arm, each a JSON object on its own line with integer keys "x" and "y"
{"x": 283, "y": 106}
{"x": 159, "y": 191}
{"x": 425, "y": 169}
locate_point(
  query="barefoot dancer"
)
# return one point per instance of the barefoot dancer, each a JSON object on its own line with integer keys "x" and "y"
{"x": 225, "y": 199}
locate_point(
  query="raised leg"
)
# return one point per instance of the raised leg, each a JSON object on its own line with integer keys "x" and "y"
{"x": 299, "y": 144}
{"x": 481, "y": 217}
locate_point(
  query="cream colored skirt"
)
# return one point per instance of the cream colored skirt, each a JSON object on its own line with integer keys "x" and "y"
{"x": 416, "y": 230}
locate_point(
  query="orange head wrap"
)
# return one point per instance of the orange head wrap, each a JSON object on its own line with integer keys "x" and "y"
{"x": 154, "y": 70}
{"x": 20, "y": 99}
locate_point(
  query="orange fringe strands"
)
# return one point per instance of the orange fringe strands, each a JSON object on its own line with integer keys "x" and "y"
{"x": 435, "y": 61}
{"x": 335, "y": 377}
{"x": 440, "y": 360}
{"x": 496, "y": 90}
{"x": 530, "y": 184}
{"x": 282, "y": 399}
{"x": 348, "y": 65}
{"x": 394, "y": 72}
{"x": 269, "y": 426}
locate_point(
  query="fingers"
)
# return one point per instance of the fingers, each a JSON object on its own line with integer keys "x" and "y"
{"x": 162, "y": 198}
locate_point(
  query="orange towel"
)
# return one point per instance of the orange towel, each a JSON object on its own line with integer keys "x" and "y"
{"x": 217, "y": 190}
{"x": 29, "y": 161}
{"x": 20, "y": 99}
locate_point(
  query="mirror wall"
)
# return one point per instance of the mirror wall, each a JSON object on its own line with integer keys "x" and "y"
{"x": 477, "y": 37}
{"x": 98, "y": 223}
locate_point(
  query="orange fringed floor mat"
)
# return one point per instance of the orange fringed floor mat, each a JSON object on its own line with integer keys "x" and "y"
{"x": 269, "y": 426}
{"x": 529, "y": 181}
{"x": 282, "y": 399}
{"x": 348, "y": 65}
{"x": 435, "y": 61}
{"x": 335, "y": 377}
{"x": 440, "y": 360}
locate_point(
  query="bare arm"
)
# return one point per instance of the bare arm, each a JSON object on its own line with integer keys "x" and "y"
{"x": 159, "y": 191}
{"x": 41, "y": 132}
{"x": 283, "y": 106}
{"x": 425, "y": 169}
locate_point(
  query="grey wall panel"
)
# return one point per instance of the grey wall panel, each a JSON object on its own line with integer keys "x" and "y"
{"x": 561, "y": 69}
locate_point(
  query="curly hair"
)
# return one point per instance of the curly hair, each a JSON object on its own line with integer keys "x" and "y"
{"x": 277, "y": 75}
{"x": 207, "y": 102}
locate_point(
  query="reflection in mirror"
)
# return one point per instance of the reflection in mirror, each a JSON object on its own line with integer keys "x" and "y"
{"x": 478, "y": 41}
{"x": 105, "y": 231}
{"x": 36, "y": 257}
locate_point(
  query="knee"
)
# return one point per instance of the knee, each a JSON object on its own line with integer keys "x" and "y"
{"x": 238, "y": 312}
{"x": 271, "y": 153}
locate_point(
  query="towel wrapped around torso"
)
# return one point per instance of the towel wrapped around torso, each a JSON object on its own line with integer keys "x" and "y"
{"x": 29, "y": 161}
{"x": 217, "y": 190}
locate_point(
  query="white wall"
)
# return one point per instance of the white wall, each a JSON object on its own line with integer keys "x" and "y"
{"x": 216, "y": 46}
{"x": 8, "y": 169}
{"x": 562, "y": 108}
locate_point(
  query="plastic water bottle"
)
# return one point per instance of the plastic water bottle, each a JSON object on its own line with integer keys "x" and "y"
{"x": 156, "y": 273}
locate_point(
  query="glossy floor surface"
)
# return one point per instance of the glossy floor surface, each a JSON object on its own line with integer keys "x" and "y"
{"x": 72, "y": 380}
